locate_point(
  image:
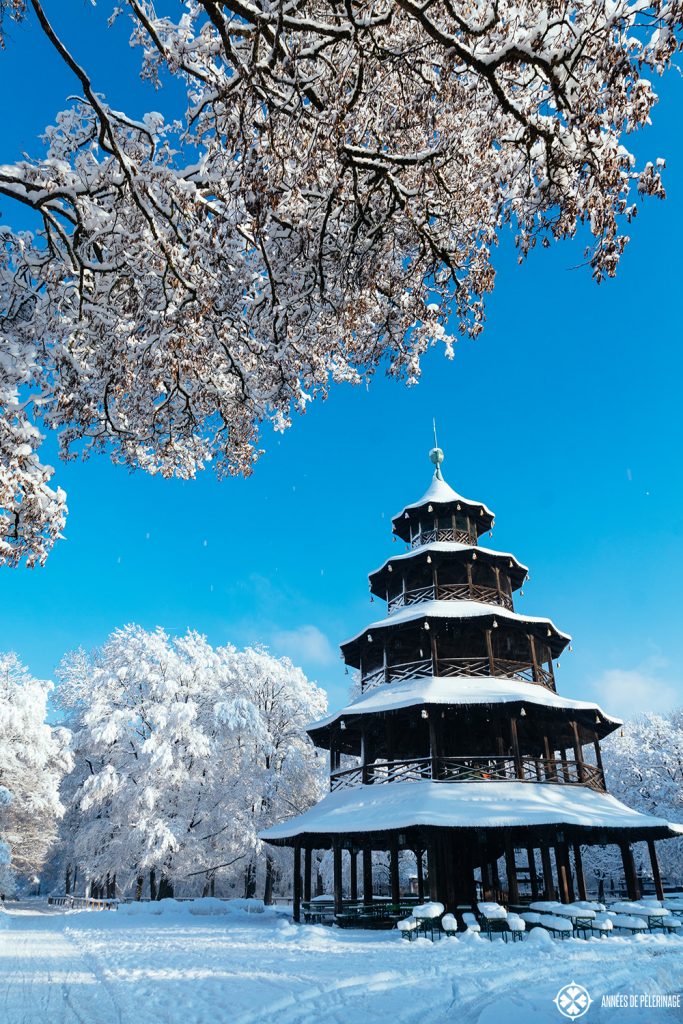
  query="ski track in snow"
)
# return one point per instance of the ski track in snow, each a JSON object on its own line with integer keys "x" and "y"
{"x": 113, "y": 968}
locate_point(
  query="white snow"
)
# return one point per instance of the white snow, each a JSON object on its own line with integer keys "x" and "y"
{"x": 238, "y": 968}
{"x": 449, "y": 546}
{"x": 454, "y": 610}
{"x": 440, "y": 492}
{"x": 467, "y": 804}
{"x": 457, "y": 690}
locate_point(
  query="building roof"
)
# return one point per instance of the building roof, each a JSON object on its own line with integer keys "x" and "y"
{"x": 447, "y": 547}
{"x": 455, "y": 610}
{"x": 458, "y": 690}
{"x": 402, "y": 805}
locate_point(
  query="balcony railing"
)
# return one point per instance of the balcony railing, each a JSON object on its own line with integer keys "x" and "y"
{"x": 502, "y": 668}
{"x": 450, "y": 592}
{"x": 447, "y": 534}
{"x": 471, "y": 769}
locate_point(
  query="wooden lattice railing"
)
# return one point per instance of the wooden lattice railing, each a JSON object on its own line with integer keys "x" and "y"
{"x": 450, "y": 592}
{"x": 447, "y": 534}
{"x": 471, "y": 769}
{"x": 503, "y": 668}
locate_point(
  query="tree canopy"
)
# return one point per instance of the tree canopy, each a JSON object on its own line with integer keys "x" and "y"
{"x": 329, "y": 198}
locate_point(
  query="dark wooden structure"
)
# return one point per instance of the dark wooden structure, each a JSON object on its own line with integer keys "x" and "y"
{"x": 459, "y": 751}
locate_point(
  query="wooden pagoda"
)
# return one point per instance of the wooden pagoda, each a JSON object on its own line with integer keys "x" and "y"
{"x": 459, "y": 748}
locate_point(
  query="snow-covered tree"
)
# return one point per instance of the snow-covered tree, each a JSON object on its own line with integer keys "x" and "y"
{"x": 182, "y": 753}
{"x": 329, "y": 197}
{"x": 33, "y": 758}
{"x": 644, "y": 768}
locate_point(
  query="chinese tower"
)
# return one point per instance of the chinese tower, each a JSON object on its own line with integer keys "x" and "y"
{"x": 459, "y": 750}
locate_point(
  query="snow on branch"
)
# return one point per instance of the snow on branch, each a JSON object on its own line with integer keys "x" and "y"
{"x": 330, "y": 198}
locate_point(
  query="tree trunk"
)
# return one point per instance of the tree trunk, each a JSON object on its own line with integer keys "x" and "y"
{"x": 268, "y": 885}
{"x": 152, "y": 884}
{"x": 138, "y": 887}
{"x": 67, "y": 880}
{"x": 250, "y": 881}
{"x": 165, "y": 888}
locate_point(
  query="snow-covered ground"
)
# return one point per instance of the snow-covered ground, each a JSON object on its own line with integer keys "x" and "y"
{"x": 179, "y": 967}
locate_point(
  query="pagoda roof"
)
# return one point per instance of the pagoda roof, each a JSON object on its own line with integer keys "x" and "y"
{"x": 441, "y": 493}
{"x": 456, "y": 610}
{"x": 460, "y": 690}
{"x": 402, "y": 805}
{"x": 453, "y": 547}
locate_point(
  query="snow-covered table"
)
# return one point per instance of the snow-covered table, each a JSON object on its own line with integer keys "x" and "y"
{"x": 428, "y": 915}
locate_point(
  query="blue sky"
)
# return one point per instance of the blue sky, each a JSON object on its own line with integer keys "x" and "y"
{"x": 565, "y": 417}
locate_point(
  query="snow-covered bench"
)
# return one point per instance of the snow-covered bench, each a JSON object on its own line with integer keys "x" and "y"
{"x": 428, "y": 916}
{"x": 494, "y": 919}
{"x": 653, "y": 915}
{"x": 470, "y": 922}
{"x": 517, "y": 926}
{"x": 627, "y": 923}
{"x": 558, "y": 926}
{"x": 601, "y": 924}
{"x": 449, "y": 924}
{"x": 407, "y": 927}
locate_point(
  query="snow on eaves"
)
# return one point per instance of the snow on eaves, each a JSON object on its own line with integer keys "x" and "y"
{"x": 457, "y": 690}
{"x": 398, "y": 805}
{"x": 454, "y": 610}
{"x": 446, "y": 546}
{"x": 441, "y": 493}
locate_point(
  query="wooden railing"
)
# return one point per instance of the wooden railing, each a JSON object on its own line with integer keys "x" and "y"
{"x": 450, "y": 592}
{"x": 447, "y": 534}
{"x": 471, "y": 769}
{"x": 82, "y": 902}
{"x": 503, "y": 668}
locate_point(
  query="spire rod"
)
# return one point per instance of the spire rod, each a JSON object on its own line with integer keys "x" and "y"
{"x": 436, "y": 454}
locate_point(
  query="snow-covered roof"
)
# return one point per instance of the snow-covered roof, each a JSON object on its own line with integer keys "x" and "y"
{"x": 400, "y": 805}
{"x": 439, "y": 492}
{"x": 459, "y": 690}
{"x": 446, "y": 546}
{"x": 454, "y": 610}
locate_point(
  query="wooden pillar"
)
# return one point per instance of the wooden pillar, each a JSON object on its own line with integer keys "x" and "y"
{"x": 534, "y": 658}
{"x": 548, "y": 883}
{"x": 580, "y": 877}
{"x": 486, "y": 881}
{"x": 632, "y": 887}
{"x": 568, "y": 869}
{"x": 353, "y": 868}
{"x": 435, "y": 583}
{"x": 435, "y": 652}
{"x": 364, "y": 753}
{"x": 420, "y": 876}
{"x": 495, "y": 877}
{"x": 561, "y": 868}
{"x": 367, "y": 875}
{"x": 533, "y": 879}
{"x": 434, "y": 743}
{"x": 598, "y": 757}
{"x": 337, "y": 875}
{"x": 385, "y": 664}
{"x": 656, "y": 877}
{"x": 550, "y": 772}
{"x": 489, "y": 651}
{"x": 578, "y": 752}
{"x": 433, "y": 870}
{"x": 498, "y": 590}
{"x": 519, "y": 770}
{"x": 565, "y": 766}
{"x": 468, "y": 568}
{"x": 307, "y": 873}
{"x": 393, "y": 871}
{"x": 511, "y": 869}
{"x": 296, "y": 885}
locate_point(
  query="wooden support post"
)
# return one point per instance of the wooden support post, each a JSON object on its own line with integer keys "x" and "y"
{"x": 364, "y": 753}
{"x": 534, "y": 657}
{"x": 632, "y": 887}
{"x": 337, "y": 875}
{"x": 486, "y": 887}
{"x": 435, "y": 583}
{"x": 568, "y": 868}
{"x": 433, "y": 742}
{"x": 656, "y": 877}
{"x": 489, "y": 651}
{"x": 307, "y": 873}
{"x": 498, "y": 590}
{"x": 495, "y": 877}
{"x": 420, "y": 876}
{"x": 367, "y": 875}
{"x": 385, "y": 664}
{"x": 565, "y": 765}
{"x": 433, "y": 870}
{"x": 578, "y": 752}
{"x": 533, "y": 878}
{"x": 561, "y": 868}
{"x": 296, "y": 885}
{"x": 519, "y": 768}
{"x": 550, "y": 772}
{"x": 598, "y": 757}
{"x": 470, "y": 585}
{"x": 353, "y": 868}
{"x": 394, "y": 873}
{"x": 578, "y": 867}
{"x": 511, "y": 870}
{"x": 548, "y": 883}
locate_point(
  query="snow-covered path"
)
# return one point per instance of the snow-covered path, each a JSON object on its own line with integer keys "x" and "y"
{"x": 177, "y": 968}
